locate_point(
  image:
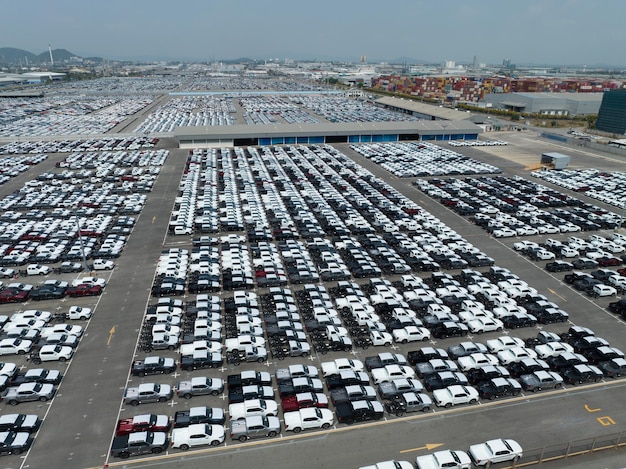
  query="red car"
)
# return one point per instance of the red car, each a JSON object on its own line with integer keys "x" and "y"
{"x": 84, "y": 290}
{"x": 13, "y": 295}
{"x": 143, "y": 423}
{"x": 303, "y": 400}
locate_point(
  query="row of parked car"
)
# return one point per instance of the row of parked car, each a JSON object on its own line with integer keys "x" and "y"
{"x": 418, "y": 159}
{"x": 509, "y": 207}
{"x": 607, "y": 187}
{"x": 479, "y": 454}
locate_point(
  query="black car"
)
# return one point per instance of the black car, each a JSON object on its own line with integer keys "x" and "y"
{"x": 37, "y": 375}
{"x": 579, "y": 374}
{"x": 618, "y": 307}
{"x": 498, "y": 387}
{"x": 527, "y": 366}
{"x": 516, "y": 320}
{"x": 426, "y": 354}
{"x": 487, "y": 373}
{"x": 559, "y": 266}
{"x": 565, "y": 360}
{"x": 551, "y": 315}
{"x": 444, "y": 379}
{"x": 449, "y": 329}
{"x": 346, "y": 378}
{"x": 359, "y": 411}
{"x": 584, "y": 264}
{"x": 201, "y": 360}
{"x": 29, "y": 423}
{"x": 153, "y": 366}
{"x": 15, "y": 442}
{"x": 47, "y": 292}
{"x": 602, "y": 354}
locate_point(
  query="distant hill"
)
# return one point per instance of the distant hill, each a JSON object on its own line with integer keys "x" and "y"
{"x": 13, "y": 56}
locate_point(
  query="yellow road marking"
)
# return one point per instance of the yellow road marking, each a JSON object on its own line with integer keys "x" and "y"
{"x": 428, "y": 447}
{"x": 111, "y": 332}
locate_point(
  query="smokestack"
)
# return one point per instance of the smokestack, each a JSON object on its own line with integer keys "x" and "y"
{"x": 51, "y": 59}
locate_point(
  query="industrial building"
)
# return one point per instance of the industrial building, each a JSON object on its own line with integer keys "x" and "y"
{"x": 352, "y": 132}
{"x": 612, "y": 114}
{"x": 422, "y": 110}
{"x": 548, "y": 104}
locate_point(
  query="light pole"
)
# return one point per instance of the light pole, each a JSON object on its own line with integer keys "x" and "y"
{"x": 80, "y": 241}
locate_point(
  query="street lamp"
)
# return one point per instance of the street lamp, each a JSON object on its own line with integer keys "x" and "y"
{"x": 80, "y": 241}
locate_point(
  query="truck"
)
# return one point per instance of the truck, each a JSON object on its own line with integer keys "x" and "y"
{"x": 153, "y": 365}
{"x": 354, "y": 392}
{"x": 198, "y": 434}
{"x": 148, "y": 392}
{"x": 497, "y": 387}
{"x": 200, "y": 414}
{"x": 240, "y": 343}
{"x": 308, "y": 418}
{"x": 37, "y": 269}
{"x": 383, "y": 359}
{"x": 359, "y": 411}
{"x": 409, "y": 402}
{"x": 394, "y": 388}
{"x": 347, "y": 378}
{"x": 254, "y": 427}
{"x": 199, "y": 386}
{"x": 101, "y": 264}
{"x": 541, "y": 380}
{"x": 252, "y": 407}
{"x": 248, "y": 377}
{"x": 292, "y": 348}
{"x": 252, "y": 391}
{"x": 296, "y": 371}
{"x": 391, "y": 372}
{"x": 248, "y": 354}
{"x": 201, "y": 359}
{"x": 138, "y": 443}
{"x": 341, "y": 364}
{"x": 454, "y": 395}
{"x": 298, "y": 385}
{"x": 27, "y": 392}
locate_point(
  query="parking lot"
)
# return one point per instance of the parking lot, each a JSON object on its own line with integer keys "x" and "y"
{"x": 231, "y": 260}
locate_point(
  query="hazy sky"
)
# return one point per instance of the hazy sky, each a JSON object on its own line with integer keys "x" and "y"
{"x": 529, "y": 31}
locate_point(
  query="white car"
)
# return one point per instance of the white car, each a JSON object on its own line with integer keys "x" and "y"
{"x": 494, "y": 451}
{"x": 198, "y": 434}
{"x": 251, "y": 408}
{"x": 311, "y": 417}
{"x": 603, "y": 290}
{"x": 504, "y": 233}
{"x": 338, "y": 365}
{"x": 391, "y": 372}
{"x": 444, "y": 459}
{"x": 411, "y": 334}
{"x": 391, "y": 464}
{"x": 32, "y": 314}
{"x": 515, "y": 354}
{"x": 480, "y": 325}
{"x": 15, "y": 346}
{"x": 62, "y": 329}
{"x": 476, "y": 360}
{"x": 552, "y": 349}
{"x": 455, "y": 395}
{"x": 55, "y": 353}
{"x": 79, "y": 312}
{"x": 503, "y": 343}
{"x": 101, "y": 264}
{"x": 89, "y": 281}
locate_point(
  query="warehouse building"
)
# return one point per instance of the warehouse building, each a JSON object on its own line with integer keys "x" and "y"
{"x": 548, "y": 104}
{"x": 612, "y": 114}
{"x": 352, "y": 132}
{"x": 422, "y": 110}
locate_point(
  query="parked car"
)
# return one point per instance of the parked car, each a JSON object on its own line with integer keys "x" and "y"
{"x": 495, "y": 451}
